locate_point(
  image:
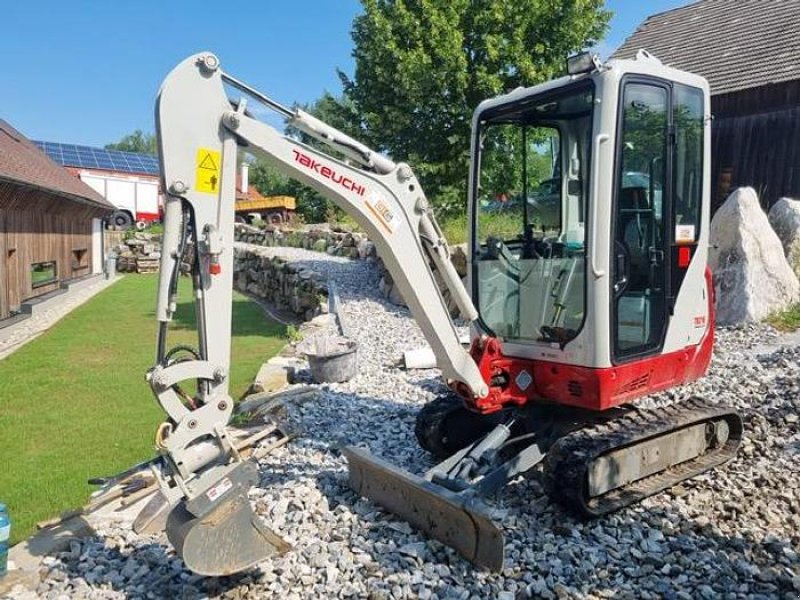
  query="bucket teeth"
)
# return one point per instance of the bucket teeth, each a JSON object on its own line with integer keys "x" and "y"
{"x": 457, "y": 520}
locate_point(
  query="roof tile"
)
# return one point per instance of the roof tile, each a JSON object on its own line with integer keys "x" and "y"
{"x": 21, "y": 161}
{"x": 735, "y": 44}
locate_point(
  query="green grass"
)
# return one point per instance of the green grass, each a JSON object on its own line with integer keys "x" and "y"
{"x": 786, "y": 320}
{"x": 503, "y": 225}
{"x": 74, "y": 403}
{"x": 455, "y": 229}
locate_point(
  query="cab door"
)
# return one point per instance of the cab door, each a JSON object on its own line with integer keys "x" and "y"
{"x": 641, "y": 211}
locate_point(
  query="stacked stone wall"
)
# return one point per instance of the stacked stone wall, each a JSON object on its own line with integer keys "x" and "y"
{"x": 286, "y": 286}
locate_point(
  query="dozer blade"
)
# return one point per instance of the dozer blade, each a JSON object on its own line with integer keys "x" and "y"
{"x": 217, "y": 533}
{"x": 458, "y": 520}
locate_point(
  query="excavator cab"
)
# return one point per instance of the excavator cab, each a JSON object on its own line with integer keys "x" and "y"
{"x": 597, "y": 257}
{"x": 530, "y": 248}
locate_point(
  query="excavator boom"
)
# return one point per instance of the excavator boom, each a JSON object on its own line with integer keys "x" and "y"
{"x": 200, "y": 130}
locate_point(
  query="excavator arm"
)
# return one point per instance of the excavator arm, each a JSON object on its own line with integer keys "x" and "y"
{"x": 200, "y": 131}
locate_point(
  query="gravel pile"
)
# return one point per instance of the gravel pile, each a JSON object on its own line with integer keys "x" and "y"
{"x": 733, "y": 533}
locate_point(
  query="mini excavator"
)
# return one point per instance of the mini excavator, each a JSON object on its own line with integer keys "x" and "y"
{"x": 587, "y": 288}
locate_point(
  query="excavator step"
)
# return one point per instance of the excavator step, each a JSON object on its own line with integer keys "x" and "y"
{"x": 604, "y": 467}
{"x": 459, "y": 520}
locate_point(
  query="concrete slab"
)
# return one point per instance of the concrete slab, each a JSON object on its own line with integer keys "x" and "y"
{"x": 28, "y": 555}
{"x": 37, "y": 305}
{"x": 78, "y": 284}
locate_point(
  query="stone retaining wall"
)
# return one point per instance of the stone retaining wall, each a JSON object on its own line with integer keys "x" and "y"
{"x": 458, "y": 256}
{"x": 321, "y": 239}
{"x": 284, "y": 285}
{"x": 349, "y": 244}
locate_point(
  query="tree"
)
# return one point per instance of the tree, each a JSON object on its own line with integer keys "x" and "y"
{"x": 311, "y": 205}
{"x": 138, "y": 141}
{"x": 422, "y": 66}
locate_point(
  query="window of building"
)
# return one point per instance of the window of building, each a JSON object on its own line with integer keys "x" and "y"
{"x": 43, "y": 273}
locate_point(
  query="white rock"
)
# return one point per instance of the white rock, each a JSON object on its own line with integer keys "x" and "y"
{"x": 366, "y": 249}
{"x": 751, "y": 274}
{"x": 784, "y": 216}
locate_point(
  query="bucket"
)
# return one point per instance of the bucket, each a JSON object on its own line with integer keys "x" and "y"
{"x": 332, "y": 359}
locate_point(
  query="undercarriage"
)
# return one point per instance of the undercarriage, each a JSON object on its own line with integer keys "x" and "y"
{"x": 591, "y": 463}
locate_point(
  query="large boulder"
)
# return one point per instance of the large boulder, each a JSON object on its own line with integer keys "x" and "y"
{"x": 784, "y": 216}
{"x": 751, "y": 274}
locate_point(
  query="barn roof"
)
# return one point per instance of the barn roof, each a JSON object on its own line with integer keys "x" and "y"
{"x": 22, "y": 162}
{"x": 735, "y": 44}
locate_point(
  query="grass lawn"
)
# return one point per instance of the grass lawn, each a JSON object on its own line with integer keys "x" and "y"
{"x": 74, "y": 403}
{"x": 786, "y": 320}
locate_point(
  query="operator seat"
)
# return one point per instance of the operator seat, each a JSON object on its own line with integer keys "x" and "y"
{"x": 635, "y": 231}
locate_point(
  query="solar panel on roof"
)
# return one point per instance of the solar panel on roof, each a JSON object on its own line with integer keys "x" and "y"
{"x": 73, "y": 155}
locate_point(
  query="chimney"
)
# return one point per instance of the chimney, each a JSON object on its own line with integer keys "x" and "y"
{"x": 245, "y": 178}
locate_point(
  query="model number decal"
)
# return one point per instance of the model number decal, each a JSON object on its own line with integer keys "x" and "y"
{"x": 700, "y": 321}
{"x": 379, "y": 207}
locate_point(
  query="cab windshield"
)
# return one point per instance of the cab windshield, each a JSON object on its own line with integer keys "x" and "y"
{"x": 531, "y": 201}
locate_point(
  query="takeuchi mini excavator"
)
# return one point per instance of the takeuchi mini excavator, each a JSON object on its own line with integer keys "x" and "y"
{"x": 587, "y": 289}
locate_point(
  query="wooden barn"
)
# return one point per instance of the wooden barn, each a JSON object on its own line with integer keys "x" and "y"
{"x": 50, "y": 224}
{"x": 748, "y": 51}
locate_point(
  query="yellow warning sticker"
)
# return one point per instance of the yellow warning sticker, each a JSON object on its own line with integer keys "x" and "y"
{"x": 207, "y": 171}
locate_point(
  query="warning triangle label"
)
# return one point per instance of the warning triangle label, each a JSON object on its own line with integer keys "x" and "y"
{"x": 207, "y": 170}
{"x": 207, "y": 163}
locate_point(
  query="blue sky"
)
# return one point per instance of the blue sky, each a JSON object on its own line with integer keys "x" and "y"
{"x": 86, "y": 72}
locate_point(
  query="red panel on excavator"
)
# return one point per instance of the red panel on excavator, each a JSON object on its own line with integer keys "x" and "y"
{"x": 597, "y": 389}
{"x": 587, "y": 387}
{"x": 600, "y": 389}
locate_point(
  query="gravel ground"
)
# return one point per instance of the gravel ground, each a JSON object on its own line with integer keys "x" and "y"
{"x": 733, "y": 533}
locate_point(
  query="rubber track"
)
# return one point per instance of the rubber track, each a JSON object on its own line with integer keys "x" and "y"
{"x": 434, "y": 419}
{"x": 567, "y": 462}
{"x": 429, "y": 420}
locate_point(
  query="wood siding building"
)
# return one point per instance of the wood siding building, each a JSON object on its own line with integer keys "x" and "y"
{"x": 49, "y": 223}
{"x": 747, "y": 49}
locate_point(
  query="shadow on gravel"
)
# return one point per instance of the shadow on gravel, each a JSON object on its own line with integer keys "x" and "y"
{"x": 151, "y": 571}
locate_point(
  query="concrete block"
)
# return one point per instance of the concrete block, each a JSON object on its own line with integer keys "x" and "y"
{"x": 271, "y": 377}
{"x": 19, "y": 579}
{"x": 28, "y": 554}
